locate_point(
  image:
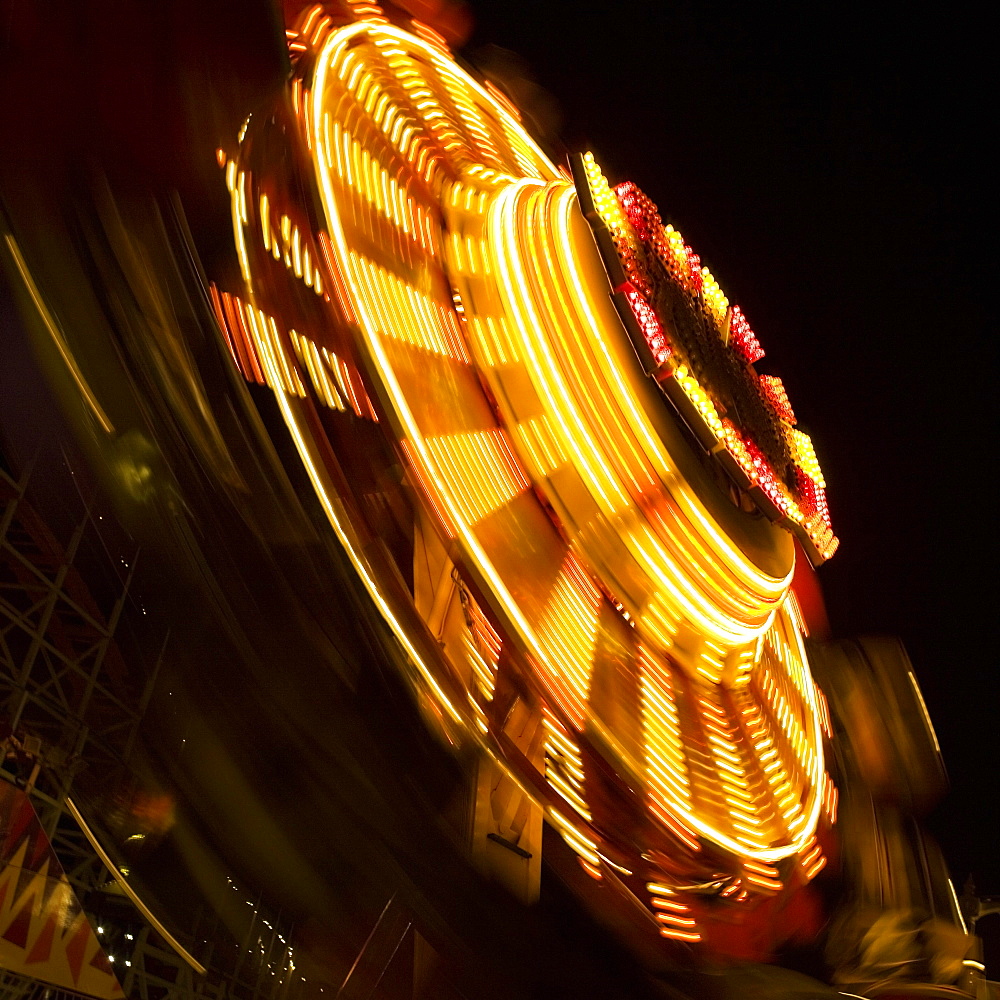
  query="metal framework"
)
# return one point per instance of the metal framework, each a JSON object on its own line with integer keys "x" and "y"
{"x": 70, "y": 703}
{"x": 71, "y": 707}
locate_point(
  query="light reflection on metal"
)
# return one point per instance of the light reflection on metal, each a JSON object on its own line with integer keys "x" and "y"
{"x": 956, "y": 909}
{"x": 926, "y": 714}
{"x": 451, "y": 290}
{"x": 119, "y": 877}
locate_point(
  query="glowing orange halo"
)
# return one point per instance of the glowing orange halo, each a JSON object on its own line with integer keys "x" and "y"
{"x": 569, "y": 418}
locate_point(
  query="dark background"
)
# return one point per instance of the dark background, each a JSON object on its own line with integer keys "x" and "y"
{"x": 830, "y": 164}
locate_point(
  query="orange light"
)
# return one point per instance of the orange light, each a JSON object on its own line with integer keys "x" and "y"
{"x": 463, "y": 288}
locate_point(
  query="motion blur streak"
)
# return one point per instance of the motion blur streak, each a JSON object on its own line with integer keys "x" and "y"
{"x": 57, "y": 338}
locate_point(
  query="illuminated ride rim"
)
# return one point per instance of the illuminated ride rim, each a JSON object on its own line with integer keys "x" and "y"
{"x": 598, "y": 479}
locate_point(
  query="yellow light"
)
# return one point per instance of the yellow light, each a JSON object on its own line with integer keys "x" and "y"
{"x": 805, "y": 455}
{"x": 714, "y": 298}
{"x": 462, "y": 457}
{"x": 451, "y": 234}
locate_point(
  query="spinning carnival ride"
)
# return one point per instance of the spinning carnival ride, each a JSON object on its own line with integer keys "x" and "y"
{"x": 532, "y": 419}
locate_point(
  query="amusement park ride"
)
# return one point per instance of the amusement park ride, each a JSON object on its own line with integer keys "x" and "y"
{"x": 531, "y": 420}
{"x": 610, "y": 615}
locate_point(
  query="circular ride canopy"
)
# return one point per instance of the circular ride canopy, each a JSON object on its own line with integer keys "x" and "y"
{"x": 559, "y": 379}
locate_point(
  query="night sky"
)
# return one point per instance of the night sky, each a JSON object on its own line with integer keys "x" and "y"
{"x": 829, "y": 163}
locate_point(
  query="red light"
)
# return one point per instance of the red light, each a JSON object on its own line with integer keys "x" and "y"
{"x": 694, "y": 270}
{"x": 649, "y": 324}
{"x": 774, "y": 392}
{"x": 766, "y": 479}
{"x": 813, "y": 497}
{"x": 640, "y": 211}
{"x": 742, "y": 338}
